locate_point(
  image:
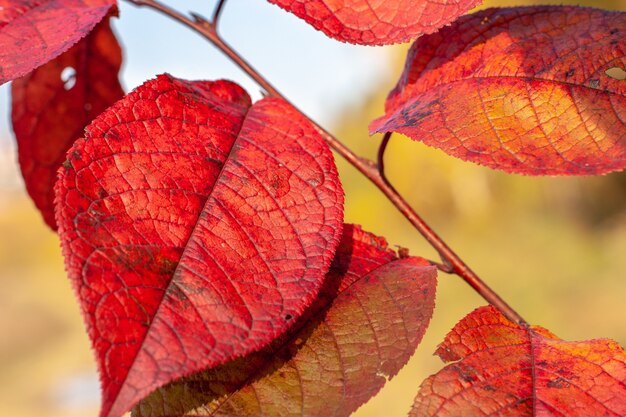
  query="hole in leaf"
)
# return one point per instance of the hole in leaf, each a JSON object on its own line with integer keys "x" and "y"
{"x": 382, "y": 374}
{"x": 68, "y": 76}
{"x": 288, "y": 317}
{"x": 616, "y": 73}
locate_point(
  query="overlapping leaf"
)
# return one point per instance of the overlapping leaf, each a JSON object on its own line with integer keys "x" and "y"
{"x": 371, "y": 314}
{"x": 32, "y": 32}
{"x": 196, "y": 228}
{"x": 500, "y": 368}
{"x": 53, "y": 104}
{"x": 530, "y": 90}
{"x": 377, "y": 22}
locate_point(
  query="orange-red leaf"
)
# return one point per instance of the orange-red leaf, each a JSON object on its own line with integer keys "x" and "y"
{"x": 500, "y": 368}
{"x": 196, "y": 227}
{"x": 53, "y": 104}
{"x": 369, "y": 22}
{"x": 32, "y": 32}
{"x": 530, "y": 90}
{"x": 369, "y": 318}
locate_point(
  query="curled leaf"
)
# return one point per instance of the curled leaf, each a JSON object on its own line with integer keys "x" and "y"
{"x": 53, "y": 104}
{"x": 32, "y": 32}
{"x": 196, "y": 227}
{"x": 500, "y": 368}
{"x": 527, "y": 90}
{"x": 377, "y": 23}
{"x": 370, "y": 316}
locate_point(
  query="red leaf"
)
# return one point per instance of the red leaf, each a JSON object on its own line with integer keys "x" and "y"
{"x": 196, "y": 227}
{"x": 369, "y": 318}
{"x": 32, "y": 32}
{"x": 51, "y": 111}
{"x": 377, "y": 23}
{"x": 528, "y": 90}
{"x": 507, "y": 370}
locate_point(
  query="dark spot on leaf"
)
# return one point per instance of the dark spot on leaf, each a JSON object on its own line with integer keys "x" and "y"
{"x": 412, "y": 118}
{"x": 212, "y": 160}
{"x": 466, "y": 373}
{"x": 570, "y": 73}
{"x": 176, "y": 293}
{"x": 489, "y": 388}
{"x": 279, "y": 185}
{"x": 67, "y": 164}
{"x": 558, "y": 383}
{"x": 594, "y": 83}
{"x": 614, "y": 31}
{"x": 288, "y": 317}
{"x": 166, "y": 266}
{"x": 112, "y": 135}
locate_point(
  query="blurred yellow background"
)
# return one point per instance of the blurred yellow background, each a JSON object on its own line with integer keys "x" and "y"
{"x": 554, "y": 248}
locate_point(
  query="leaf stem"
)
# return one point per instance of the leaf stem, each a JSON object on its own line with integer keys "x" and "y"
{"x": 452, "y": 262}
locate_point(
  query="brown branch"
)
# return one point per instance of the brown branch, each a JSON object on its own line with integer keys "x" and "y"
{"x": 452, "y": 262}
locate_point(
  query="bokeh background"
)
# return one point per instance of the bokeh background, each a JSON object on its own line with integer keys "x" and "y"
{"x": 555, "y": 248}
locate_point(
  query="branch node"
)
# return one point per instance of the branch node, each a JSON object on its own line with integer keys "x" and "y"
{"x": 444, "y": 266}
{"x": 199, "y": 19}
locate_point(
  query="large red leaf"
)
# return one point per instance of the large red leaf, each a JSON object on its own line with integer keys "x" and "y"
{"x": 500, "y": 368}
{"x": 32, "y": 32}
{"x": 50, "y": 111}
{"x": 369, "y": 318}
{"x": 196, "y": 228}
{"x": 369, "y": 22}
{"x": 530, "y": 90}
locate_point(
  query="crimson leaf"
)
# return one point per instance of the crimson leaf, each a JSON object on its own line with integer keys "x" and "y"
{"x": 196, "y": 228}
{"x": 32, "y": 32}
{"x": 53, "y": 104}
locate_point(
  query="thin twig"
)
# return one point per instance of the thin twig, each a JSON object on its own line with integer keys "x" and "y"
{"x": 446, "y": 265}
{"x": 452, "y": 262}
{"x": 217, "y": 12}
{"x": 381, "y": 157}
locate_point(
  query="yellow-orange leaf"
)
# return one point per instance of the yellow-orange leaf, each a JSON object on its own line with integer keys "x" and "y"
{"x": 370, "y": 316}
{"x": 530, "y": 90}
{"x": 503, "y": 369}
